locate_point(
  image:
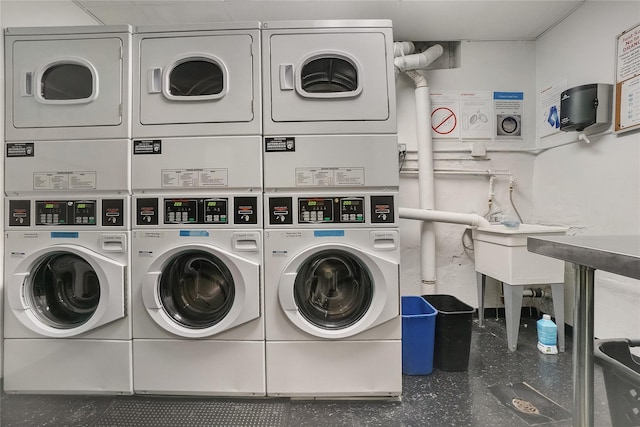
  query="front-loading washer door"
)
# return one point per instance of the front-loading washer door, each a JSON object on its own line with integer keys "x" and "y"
{"x": 199, "y": 291}
{"x": 66, "y": 291}
{"x": 337, "y": 291}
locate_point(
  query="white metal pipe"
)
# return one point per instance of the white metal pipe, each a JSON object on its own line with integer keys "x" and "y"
{"x": 432, "y": 216}
{"x": 418, "y": 61}
{"x": 403, "y": 48}
{"x": 444, "y": 171}
{"x": 426, "y": 184}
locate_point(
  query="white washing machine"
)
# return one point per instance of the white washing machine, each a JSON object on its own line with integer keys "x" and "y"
{"x": 231, "y": 164}
{"x": 328, "y": 77}
{"x": 67, "y": 322}
{"x": 67, "y": 83}
{"x": 197, "y": 80}
{"x": 198, "y": 324}
{"x": 332, "y": 304}
{"x": 71, "y": 166}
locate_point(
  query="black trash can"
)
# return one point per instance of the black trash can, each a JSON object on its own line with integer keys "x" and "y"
{"x": 621, "y": 370}
{"x": 453, "y": 332}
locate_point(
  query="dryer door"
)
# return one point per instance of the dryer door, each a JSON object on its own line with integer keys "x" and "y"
{"x": 337, "y": 291}
{"x": 329, "y": 77}
{"x": 66, "y": 291}
{"x": 198, "y": 291}
{"x": 67, "y": 82}
{"x": 196, "y": 79}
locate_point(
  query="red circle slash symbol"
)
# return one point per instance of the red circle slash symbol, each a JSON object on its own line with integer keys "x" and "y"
{"x": 443, "y": 121}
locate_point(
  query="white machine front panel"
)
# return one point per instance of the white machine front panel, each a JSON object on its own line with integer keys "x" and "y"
{"x": 64, "y": 84}
{"x": 199, "y": 367}
{"x": 306, "y": 272}
{"x": 59, "y": 366}
{"x": 334, "y": 368}
{"x": 196, "y": 79}
{"x": 49, "y": 167}
{"x": 67, "y": 284}
{"x": 329, "y": 81}
{"x": 309, "y": 163}
{"x": 197, "y": 284}
{"x": 197, "y": 164}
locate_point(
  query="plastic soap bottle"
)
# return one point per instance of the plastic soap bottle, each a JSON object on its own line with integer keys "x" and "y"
{"x": 547, "y": 335}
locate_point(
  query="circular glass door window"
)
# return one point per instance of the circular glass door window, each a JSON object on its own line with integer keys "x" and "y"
{"x": 333, "y": 289}
{"x": 196, "y": 289}
{"x": 64, "y": 291}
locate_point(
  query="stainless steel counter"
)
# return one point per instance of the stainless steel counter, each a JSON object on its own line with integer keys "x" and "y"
{"x": 614, "y": 254}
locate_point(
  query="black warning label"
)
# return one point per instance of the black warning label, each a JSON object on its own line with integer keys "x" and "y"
{"x": 20, "y": 149}
{"x": 280, "y": 143}
{"x": 147, "y": 146}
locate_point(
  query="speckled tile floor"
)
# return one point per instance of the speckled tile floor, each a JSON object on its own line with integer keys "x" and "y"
{"x": 439, "y": 399}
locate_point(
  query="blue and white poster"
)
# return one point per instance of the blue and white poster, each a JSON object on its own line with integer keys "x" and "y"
{"x": 508, "y": 108}
{"x": 549, "y": 112}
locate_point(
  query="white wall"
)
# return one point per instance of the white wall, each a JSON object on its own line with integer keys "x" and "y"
{"x": 29, "y": 13}
{"x": 485, "y": 66}
{"x": 595, "y": 188}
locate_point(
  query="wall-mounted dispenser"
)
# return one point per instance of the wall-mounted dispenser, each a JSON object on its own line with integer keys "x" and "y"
{"x": 586, "y": 108}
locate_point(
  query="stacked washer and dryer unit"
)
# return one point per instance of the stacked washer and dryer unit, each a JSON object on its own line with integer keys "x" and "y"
{"x": 67, "y": 313}
{"x": 198, "y": 324}
{"x": 168, "y": 291}
{"x": 332, "y": 252}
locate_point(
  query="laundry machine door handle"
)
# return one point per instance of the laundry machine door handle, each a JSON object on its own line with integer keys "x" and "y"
{"x": 26, "y": 84}
{"x": 16, "y": 290}
{"x": 150, "y": 296}
{"x": 285, "y": 292}
{"x": 286, "y": 77}
{"x": 154, "y": 82}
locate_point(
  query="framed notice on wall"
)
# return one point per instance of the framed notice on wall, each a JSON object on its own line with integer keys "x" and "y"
{"x": 627, "y": 88}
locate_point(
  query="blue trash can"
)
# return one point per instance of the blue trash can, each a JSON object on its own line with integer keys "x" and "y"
{"x": 418, "y": 334}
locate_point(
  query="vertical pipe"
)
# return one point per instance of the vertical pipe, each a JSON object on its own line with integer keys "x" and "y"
{"x": 426, "y": 185}
{"x": 583, "y": 347}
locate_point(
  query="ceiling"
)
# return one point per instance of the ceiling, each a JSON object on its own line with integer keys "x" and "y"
{"x": 443, "y": 20}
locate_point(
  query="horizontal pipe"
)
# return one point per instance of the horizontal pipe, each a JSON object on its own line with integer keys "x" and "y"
{"x": 459, "y": 172}
{"x": 536, "y": 293}
{"x": 443, "y": 216}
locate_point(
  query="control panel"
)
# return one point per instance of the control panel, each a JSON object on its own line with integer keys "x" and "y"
{"x": 331, "y": 210}
{"x": 197, "y": 211}
{"x": 108, "y": 212}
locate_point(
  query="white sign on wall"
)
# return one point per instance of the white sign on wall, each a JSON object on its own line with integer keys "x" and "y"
{"x": 549, "y": 110}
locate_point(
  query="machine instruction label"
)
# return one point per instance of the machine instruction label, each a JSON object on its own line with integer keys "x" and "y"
{"x": 85, "y": 180}
{"x": 147, "y": 146}
{"x": 20, "y": 149}
{"x": 320, "y": 177}
{"x": 280, "y": 143}
{"x": 203, "y": 178}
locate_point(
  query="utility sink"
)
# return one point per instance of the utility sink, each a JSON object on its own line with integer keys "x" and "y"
{"x": 501, "y": 252}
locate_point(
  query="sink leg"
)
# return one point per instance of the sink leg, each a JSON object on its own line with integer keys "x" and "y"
{"x": 512, "y": 308}
{"x": 557, "y": 291}
{"x": 481, "y": 281}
